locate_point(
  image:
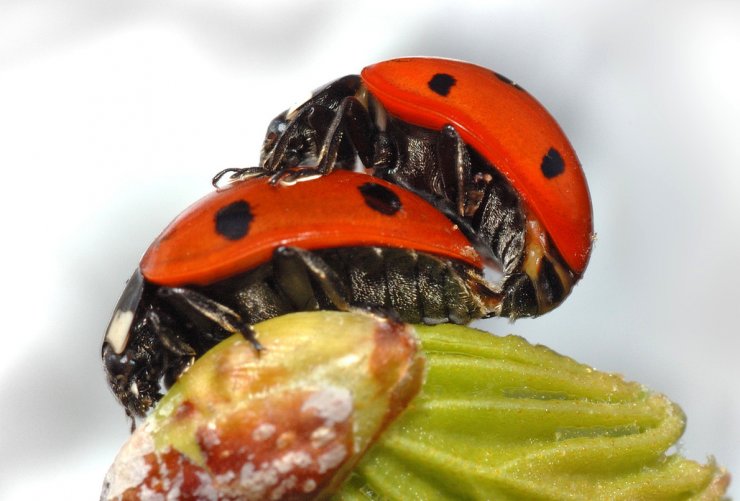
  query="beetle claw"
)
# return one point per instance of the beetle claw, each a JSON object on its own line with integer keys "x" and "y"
{"x": 292, "y": 175}
{"x": 236, "y": 174}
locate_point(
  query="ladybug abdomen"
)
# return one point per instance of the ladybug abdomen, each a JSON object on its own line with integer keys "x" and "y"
{"x": 417, "y": 287}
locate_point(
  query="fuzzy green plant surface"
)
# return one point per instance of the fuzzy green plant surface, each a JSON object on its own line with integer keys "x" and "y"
{"x": 499, "y": 418}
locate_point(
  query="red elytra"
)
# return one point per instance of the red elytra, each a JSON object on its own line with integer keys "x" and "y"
{"x": 508, "y": 127}
{"x": 327, "y": 212}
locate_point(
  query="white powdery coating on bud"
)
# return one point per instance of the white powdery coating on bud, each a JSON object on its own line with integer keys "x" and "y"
{"x": 263, "y": 432}
{"x": 309, "y": 485}
{"x": 285, "y": 439}
{"x": 129, "y": 469}
{"x": 272, "y": 480}
{"x": 256, "y": 482}
{"x": 206, "y": 491}
{"x": 146, "y": 494}
{"x": 322, "y": 436}
{"x": 332, "y": 404}
{"x": 225, "y": 477}
{"x": 347, "y": 361}
{"x": 283, "y": 487}
{"x": 210, "y": 437}
{"x": 332, "y": 458}
{"x": 292, "y": 459}
{"x": 174, "y": 492}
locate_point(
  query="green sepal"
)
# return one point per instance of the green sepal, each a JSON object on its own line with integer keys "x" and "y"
{"x": 499, "y": 418}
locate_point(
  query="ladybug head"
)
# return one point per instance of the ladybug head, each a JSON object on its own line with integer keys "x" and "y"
{"x": 274, "y": 131}
{"x": 291, "y": 138}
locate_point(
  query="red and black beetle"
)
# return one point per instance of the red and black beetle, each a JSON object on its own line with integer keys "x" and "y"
{"x": 469, "y": 139}
{"x": 253, "y": 251}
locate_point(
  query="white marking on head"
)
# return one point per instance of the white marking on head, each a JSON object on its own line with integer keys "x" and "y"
{"x": 118, "y": 330}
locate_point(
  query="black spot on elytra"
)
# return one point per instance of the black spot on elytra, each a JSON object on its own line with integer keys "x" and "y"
{"x": 380, "y": 198}
{"x": 441, "y": 83}
{"x": 507, "y": 80}
{"x": 232, "y": 221}
{"x": 552, "y": 164}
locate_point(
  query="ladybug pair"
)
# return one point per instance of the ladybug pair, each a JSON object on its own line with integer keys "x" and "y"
{"x": 467, "y": 170}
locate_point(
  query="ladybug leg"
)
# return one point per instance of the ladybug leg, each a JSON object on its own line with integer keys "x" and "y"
{"x": 520, "y": 297}
{"x": 541, "y": 281}
{"x": 384, "y": 152}
{"x": 454, "y": 164}
{"x": 294, "y": 137}
{"x": 170, "y": 341}
{"x": 295, "y": 267}
{"x": 237, "y": 173}
{"x": 491, "y": 296}
{"x": 295, "y": 141}
{"x": 177, "y": 355}
{"x": 351, "y": 120}
{"x": 219, "y": 314}
{"x": 514, "y": 298}
{"x": 535, "y": 279}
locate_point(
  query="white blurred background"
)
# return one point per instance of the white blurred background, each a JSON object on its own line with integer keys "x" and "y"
{"x": 114, "y": 115}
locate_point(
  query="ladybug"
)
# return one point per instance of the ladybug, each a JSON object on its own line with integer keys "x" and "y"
{"x": 469, "y": 139}
{"x": 253, "y": 250}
